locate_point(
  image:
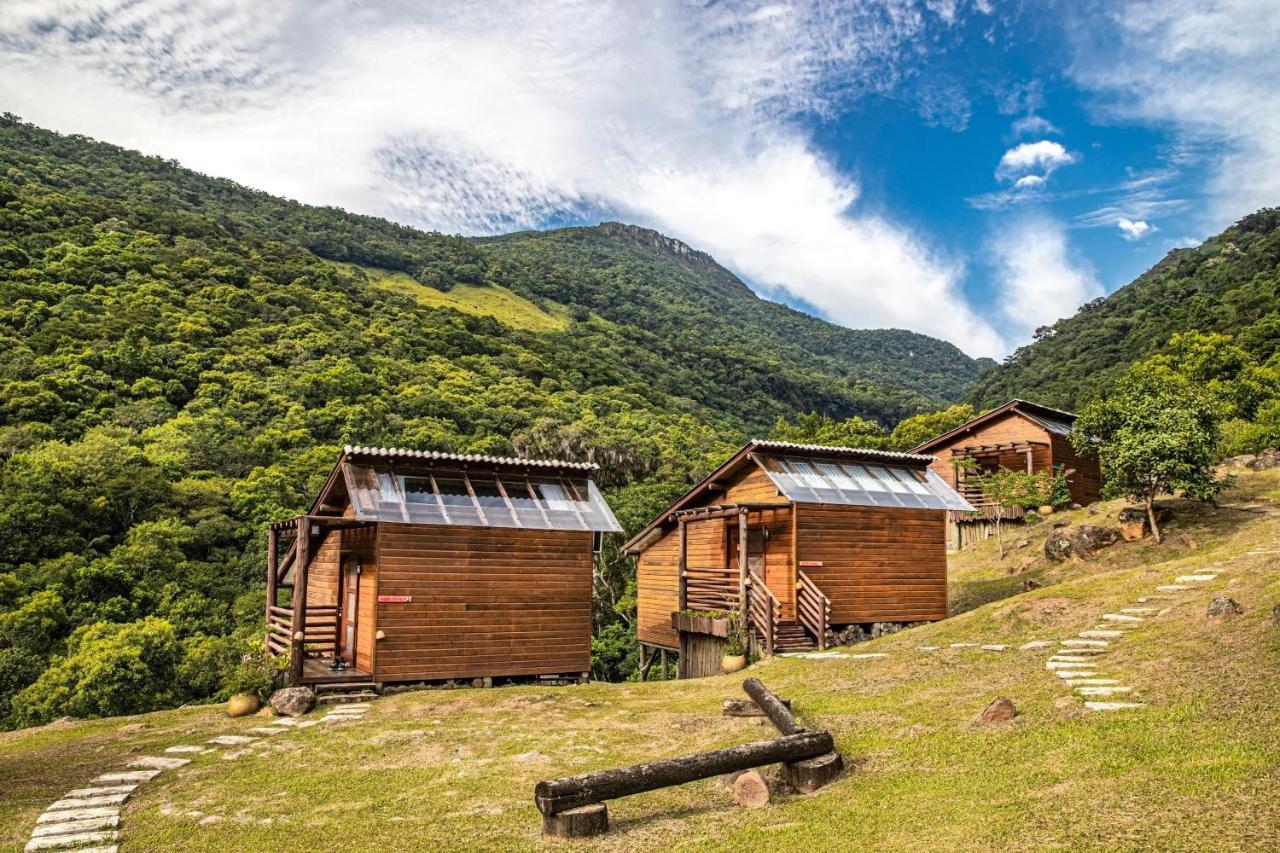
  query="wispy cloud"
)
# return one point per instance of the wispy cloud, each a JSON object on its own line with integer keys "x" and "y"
{"x": 1041, "y": 279}
{"x": 1034, "y": 125}
{"x": 482, "y": 118}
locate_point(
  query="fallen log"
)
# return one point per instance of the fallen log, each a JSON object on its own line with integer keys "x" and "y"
{"x": 558, "y": 795}
{"x": 805, "y": 775}
{"x": 745, "y": 708}
{"x": 778, "y": 712}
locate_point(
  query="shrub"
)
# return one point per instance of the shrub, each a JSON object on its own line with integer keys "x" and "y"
{"x": 35, "y": 626}
{"x": 207, "y": 665}
{"x": 18, "y": 668}
{"x": 108, "y": 670}
{"x": 256, "y": 673}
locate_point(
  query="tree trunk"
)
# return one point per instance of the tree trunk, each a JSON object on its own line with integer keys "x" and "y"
{"x": 1151, "y": 514}
{"x": 778, "y": 713}
{"x": 571, "y": 792}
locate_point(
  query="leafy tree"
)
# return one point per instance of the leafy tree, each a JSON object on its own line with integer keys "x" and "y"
{"x": 1005, "y": 487}
{"x": 916, "y": 430}
{"x": 820, "y": 429}
{"x": 1155, "y": 433}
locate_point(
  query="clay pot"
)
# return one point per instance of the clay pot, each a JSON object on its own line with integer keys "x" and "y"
{"x": 242, "y": 705}
{"x": 733, "y": 663}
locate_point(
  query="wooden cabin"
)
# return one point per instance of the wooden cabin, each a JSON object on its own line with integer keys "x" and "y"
{"x": 796, "y": 540}
{"x": 416, "y": 566}
{"x": 1020, "y": 436}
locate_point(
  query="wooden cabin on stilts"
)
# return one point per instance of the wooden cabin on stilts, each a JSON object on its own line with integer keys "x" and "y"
{"x": 1019, "y": 436}
{"x": 416, "y": 566}
{"x": 798, "y": 544}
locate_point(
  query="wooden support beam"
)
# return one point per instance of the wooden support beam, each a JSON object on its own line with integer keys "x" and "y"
{"x": 297, "y": 626}
{"x": 682, "y": 600}
{"x": 742, "y": 569}
{"x": 559, "y": 795}
{"x": 273, "y": 565}
{"x": 663, "y": 663}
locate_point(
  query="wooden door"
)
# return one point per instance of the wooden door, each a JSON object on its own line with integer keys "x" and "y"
{"x": 350, "y": 610}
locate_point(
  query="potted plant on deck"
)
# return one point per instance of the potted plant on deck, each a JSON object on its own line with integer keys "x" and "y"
{"x": 734, "y": 650}
{"x": 251, "y": 682}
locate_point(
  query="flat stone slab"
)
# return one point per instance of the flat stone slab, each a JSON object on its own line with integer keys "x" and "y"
{"x": 1169, "y": 587}
{"x": 926, "y": 648}
{"x": 1103, "y": 691}
{"x": 64, "y": 815}
{"x": 1065, "y": 674}
{"x": 994, "y": 647}
{"x": 102, "y": 791}
{"x": 1080, "y": 663}
{"x": 1139, "y": 609}
{"x": 1091, "y": 651}
{"x": 1111, "y": 706}
{"x": 80, "y": 839}
{"x": 866, "y": 655}
{"x": 1090, "y": 682}
{"x": 286, "y": 721}
{"x": 74, "y": 827}
{"x": 159, "y": 762}
{"x": 1193, "y": 578}
{"x": 1035, "y": 644}
{"x": 1101, "y": 634}
{"x": 268, "y": 731}
{"x": 963, "y": 646}
{"x": 126, "y": 776}
{"x": 184, "y": 749}
{"x": 231, "y": 740}
{"x": 306, "y": 724}
{"x": 1082, "y": 644}
{"x": 89, "y": 802}
{"x": 1120, "y": 617}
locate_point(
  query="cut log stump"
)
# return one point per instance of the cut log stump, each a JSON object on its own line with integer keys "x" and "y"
{"x": 750, "y": 790}
{"x": 811, "y": 774}
{"x": 581, "y": 822}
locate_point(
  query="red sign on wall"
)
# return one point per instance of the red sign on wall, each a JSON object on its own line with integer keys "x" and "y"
{"x": 395, "y": 599}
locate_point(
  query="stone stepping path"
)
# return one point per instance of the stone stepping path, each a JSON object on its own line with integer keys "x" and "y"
{"x": 87, "y": 820}
{"x": 1078, "y": 661}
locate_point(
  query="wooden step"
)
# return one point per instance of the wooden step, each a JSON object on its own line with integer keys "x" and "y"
{"x": 355, "y": 685}
{"x": 345, "y": 698}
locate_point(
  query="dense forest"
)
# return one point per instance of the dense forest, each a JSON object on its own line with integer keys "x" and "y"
{"x": 184, "y": 357}
{"x": 1229, "y": 284}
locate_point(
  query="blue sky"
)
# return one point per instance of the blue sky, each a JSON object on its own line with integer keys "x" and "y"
{"x": 969, "y": 169}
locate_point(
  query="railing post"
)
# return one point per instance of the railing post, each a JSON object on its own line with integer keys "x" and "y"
{"x": 273, "y": 566}
{"x": 742, "y": 566}
{"x": 682, "y": 597}
{"x": 298, "y": 625}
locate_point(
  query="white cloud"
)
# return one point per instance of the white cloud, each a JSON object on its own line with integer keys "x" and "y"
{"x": 1134, "y": 229}
{"x": 1033, "y": 125}
{"x": 1041, "y": 280}
{"x": 1205, "y": 70}
{"x": 1027, "y": 182}
{"x": 1044, "y": 156}
{"x": 485, "y": 118}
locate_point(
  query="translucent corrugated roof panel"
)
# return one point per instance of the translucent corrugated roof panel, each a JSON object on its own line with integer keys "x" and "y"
{"x": 518, "y": 500}
{"x": 860, "y": 484}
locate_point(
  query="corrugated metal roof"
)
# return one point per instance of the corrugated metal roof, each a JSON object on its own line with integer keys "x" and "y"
{"x": 437, "y": 456}
{"x": 855, "y": 452}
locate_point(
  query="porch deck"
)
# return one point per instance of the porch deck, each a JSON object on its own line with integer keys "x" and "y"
{"x": 317, "y": 671}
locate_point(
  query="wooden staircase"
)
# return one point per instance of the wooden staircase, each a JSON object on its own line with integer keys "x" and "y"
{"x": 810, "y": 630}
{"x": 792, "y": 637}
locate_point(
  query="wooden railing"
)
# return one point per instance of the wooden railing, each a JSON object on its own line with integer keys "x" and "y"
{"x": 320, "y": 631}
{"x": 711, "y": 589}
{"x": 813, "y": 609}
{"x": 764, "y": 610}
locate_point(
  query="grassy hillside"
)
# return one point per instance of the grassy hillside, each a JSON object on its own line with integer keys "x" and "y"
{"x": 1230, "y": 284}
{"x": 1194, "y": 768}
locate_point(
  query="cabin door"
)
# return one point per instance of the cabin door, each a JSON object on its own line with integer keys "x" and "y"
{"x": 350, "y": 609}
{"x": 756, "y": 564}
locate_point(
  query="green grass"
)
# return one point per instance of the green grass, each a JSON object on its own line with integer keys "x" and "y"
{"x": 499, "y": 303}
{"x": 455, "y": 769}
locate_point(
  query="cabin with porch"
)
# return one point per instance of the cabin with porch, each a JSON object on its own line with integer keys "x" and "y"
{"x": 1020, "y": 436}
{"x": 416, "y": 566}
{"x": 794, "y": 541}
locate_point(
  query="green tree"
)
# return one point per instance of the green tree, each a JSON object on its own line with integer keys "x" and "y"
{"x": 1007, "y": 488}
{"x": 820, "y": 429}
{"x": 1155, "y": 433}
{"x": 916, "y": 430}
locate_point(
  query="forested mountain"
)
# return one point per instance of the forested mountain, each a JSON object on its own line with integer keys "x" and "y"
{"x": 184, "y": 357}
{"x": 1228, "y": 284}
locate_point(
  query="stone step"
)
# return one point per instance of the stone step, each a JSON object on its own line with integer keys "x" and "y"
{"x": 101, "y": 791}
{"x": 926, "y": 648}
{"x": 1193, "y": 578}
{"x": 231, "y": 740}
{"x": 1101, "y": 634}
{"x": 345, "y": 698}
{"x": 1111, "y": 706}
{"x": 994, "y": 647}
{"x": 1072, "y": 659}
{"x": 1066, "y": 674}
{"x": 1120, "y": 617}
{"x": 1171, "y": 587}
{"x": 125, "y": 776}
{"x": 89, "y": 802}
{"x": 343, "y": 687}
{"x": 1093, "y": 644}
{"x": 75, "y": 827}
{"x": 868, "y": 655}
{"x": 1139, "y": 610}
{"x": 1035, "y": 644}
{"x": 1091, "y": 682}
{"x": 65, "y": 842}
{"x": 1103, "y": 691}
{"x": 184, "y": 749}
{"x": 1069, "y": 664}
{"x": 963, "y": 646}
{"x": 64, "y": 815}
{"x": 159, "y": 762}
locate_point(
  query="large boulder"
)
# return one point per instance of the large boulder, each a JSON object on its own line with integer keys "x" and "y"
{"x": 1083, "y": 542}
{"x": 1223, "y": 607}
{"x": 293, "y": 701}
